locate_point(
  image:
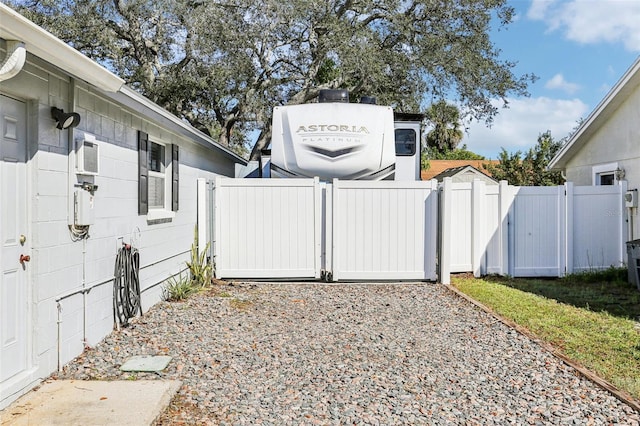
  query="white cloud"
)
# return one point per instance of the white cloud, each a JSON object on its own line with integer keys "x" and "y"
{"x": 538, "y": 9}
{"x": 558, "y": 82}
{"x": 517, "y": 128}
{"x": 592, "y": 21}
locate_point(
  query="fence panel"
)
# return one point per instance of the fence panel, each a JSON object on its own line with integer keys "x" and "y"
{"x": 530, "y": 231}
{"x": 461, "y": 235}
{"x": 384, "y": 230}
{"x": 493, "y": 224}
{"x": 596, "y": 218}
{"x": 537, "y": 228}
{"x": 267, "y": 228}
{"x": 360, "y": 230}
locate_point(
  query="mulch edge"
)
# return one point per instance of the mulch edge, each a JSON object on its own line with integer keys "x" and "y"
{"x": 590, "y": 375}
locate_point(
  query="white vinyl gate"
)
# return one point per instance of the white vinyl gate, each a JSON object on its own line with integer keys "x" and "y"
{"x": 267, "y": 228}
{"x": 545, "y": 231}
{"x": 384, "y": 230}
{"x": 538, "y": 232}
{"x": 303, "y": 228}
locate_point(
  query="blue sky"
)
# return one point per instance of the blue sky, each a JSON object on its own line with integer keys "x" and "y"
{"x": 579, "y": 49}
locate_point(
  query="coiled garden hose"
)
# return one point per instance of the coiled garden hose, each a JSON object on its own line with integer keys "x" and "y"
{"x": 126, "y": 285}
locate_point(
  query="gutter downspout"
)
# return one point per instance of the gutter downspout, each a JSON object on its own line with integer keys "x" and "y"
{"x": 14, "y": 61}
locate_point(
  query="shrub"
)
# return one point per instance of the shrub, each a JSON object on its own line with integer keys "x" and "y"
{"x": 178, "y": 288}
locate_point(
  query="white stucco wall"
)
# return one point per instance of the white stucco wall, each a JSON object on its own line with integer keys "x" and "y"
{"x": 58, "y": 263}
{"x": 616, "y": 142}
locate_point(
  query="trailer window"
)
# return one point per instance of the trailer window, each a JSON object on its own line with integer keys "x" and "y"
{"x": 405, "y": 142}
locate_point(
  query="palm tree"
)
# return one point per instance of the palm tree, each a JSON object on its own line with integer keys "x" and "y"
{"x": 446, "y": 133}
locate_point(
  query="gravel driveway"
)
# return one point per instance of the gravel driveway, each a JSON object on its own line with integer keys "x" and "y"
{"x": 349, "y": 354}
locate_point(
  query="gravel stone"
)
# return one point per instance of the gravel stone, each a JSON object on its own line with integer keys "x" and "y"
{"x": 335, "y": 354}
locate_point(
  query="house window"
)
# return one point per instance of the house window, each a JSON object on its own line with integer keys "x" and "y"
{"x": 405, "y": 142}
{"x": 604, "y": 174}
{"x": 157, "y": 176}
{"x": 606, "y": 178}
{"x": 157, "y": 179}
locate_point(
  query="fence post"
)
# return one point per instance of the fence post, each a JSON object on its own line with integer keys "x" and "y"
{"x": 336, "y": 227}
{"x": 201, "y": 215}
{"x": 431, "y": 232}
{"x": 317, "y": 224}
{"x": 445, "y": 226}
{"x": 478, "y": 227}
{"x": 506, "y": 198}
{"x": 211, "y": 224}
{"x": 569, "y": 225}
{"x": 215, "y": 215}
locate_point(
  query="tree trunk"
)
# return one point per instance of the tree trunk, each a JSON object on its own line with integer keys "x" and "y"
{"x": 263, "y": 141}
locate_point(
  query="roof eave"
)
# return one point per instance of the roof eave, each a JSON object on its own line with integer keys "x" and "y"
{"x": 610, "y": 102}
{"x": 46, "y": 46}
{"x": 132, "y": 99}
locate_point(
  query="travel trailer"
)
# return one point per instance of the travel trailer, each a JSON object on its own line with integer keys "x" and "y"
{"x": 333, "y": 138}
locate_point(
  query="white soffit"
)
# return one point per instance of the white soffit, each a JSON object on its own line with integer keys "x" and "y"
{"x": 46, "y": 46}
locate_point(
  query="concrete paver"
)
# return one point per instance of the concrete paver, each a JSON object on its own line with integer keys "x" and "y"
{"x": 78, "y": 402}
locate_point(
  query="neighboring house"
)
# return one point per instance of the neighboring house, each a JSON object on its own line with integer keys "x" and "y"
{"x": 606, "y": 147}
{"x": 71, "y": 193}
{"x": 436, "y": 167}
{"x": 465, "y": 174}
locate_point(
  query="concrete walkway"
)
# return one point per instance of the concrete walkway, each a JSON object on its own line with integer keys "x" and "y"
{"x": 77, "y": 402}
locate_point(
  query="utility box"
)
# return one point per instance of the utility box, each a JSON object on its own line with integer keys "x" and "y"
{"x": 87, "y": 156}
{"x": 633, "y": 262}
{"x": 631, "y": 198}
{"x": 83, "y": 208}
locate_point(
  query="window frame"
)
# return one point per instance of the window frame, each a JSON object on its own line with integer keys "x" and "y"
{"x": 170, "y": 176}
{"x": 601, "y": 170}
{"x": 165, "y": 175}
{"x": 415, "y": 142}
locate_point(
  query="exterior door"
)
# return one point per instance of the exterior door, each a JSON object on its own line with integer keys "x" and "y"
{"x": 13, "y": 225}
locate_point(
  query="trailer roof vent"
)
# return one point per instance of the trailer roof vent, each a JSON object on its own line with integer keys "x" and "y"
{"x": 334, "y": 95}
{"x": 371, "y": 100}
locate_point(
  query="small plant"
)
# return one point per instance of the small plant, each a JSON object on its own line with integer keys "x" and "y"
{"x": 199, "y": 266}
{"x": 178, "y": 288}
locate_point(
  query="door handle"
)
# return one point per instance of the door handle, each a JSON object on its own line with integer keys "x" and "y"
{"x": 24, "y": 258}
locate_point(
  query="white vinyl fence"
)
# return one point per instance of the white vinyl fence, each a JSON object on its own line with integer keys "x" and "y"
{"x": 364, "y": 230}
{"x": 384, "y": 230}
{"x": 302, "y": 228}
{"x": 267, "y": 228}
{"x": 531, "y": 231}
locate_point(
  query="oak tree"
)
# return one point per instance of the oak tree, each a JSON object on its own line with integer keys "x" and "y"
{"x": 223, "y": 65}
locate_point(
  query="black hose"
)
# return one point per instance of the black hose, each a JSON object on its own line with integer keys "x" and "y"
{"x": 126, "y": 285}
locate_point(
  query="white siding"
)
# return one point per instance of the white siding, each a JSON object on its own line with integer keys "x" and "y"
{"x": 59, "y": 264}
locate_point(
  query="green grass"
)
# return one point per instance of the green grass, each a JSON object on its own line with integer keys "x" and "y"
{"x": 592, "y": 323}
